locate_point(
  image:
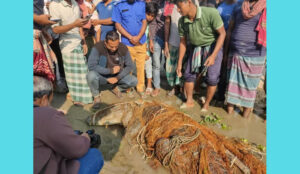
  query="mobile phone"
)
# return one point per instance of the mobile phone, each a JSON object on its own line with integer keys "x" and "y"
{"x": 55, "y": 20}
{"x": 88, "y": 17}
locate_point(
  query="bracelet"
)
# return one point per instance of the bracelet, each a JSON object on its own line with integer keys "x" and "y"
{"x": 82, "y": 42}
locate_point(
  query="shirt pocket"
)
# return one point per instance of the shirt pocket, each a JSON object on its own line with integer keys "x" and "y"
{"x": 126, "y": 15}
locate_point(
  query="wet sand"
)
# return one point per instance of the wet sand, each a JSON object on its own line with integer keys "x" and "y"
{"x": 120, "y": 158}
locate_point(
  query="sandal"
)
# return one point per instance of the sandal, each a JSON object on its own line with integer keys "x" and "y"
{"x": 171, "y": 93}
{"x": 148, "y": 91}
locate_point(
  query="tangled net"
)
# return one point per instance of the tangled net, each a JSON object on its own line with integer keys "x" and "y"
{"x": 164, "y": 134}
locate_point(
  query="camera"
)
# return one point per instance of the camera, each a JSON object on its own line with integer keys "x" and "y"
{"x": 95, "y": 138}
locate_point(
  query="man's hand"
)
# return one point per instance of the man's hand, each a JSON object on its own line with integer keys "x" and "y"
{"x": 85, "y": 49}
{"x": 112, "y": 80}
{"x": 151, "y": 46}
{"x": 80, "y": 22}
{"x": 86, "y": 135}
{"x": 167, "y": 51}
{"x": 95, "y": 22}
{"x": 43, "y": 19}
{"x": 116, "y": 69}
{"x": 210, "y": 61}
{"x": 135, "y": 40}
{"x": 147, "y": 57}
{"x": 178, "y": 70}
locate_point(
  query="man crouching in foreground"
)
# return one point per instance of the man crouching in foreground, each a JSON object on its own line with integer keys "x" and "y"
{"x": 57, "y": 149}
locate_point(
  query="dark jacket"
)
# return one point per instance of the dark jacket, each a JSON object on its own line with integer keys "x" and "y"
{"x": 98, "y": 60}
{"x": 56, "y": 146}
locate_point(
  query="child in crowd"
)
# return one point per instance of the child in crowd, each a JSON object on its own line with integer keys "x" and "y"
{"x": 172, "y": 41}
{"x": 151, "y": 12}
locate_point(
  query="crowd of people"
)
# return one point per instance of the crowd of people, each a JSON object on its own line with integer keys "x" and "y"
{"x": 83, "y": 47}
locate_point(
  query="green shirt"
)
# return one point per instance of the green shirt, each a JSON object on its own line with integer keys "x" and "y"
{"x": 201, "y": 31}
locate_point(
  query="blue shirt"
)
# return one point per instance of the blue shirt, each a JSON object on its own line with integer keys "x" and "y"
{"x": 105, "y": 12}
{"x": 225, "y": 11}
{"x": 130, "y": 16}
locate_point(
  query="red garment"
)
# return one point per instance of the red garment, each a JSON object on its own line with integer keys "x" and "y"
{"x": 262, "y": 29}
{"x": 85, "y": 11}
{"x": 41, "y": 66}
{"x": 168, "y": 8}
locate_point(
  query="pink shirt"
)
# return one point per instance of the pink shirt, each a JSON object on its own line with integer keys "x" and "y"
{"x": 84, "y": 10}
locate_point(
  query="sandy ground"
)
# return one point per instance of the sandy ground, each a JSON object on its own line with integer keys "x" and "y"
{"x": 120, "y": 158}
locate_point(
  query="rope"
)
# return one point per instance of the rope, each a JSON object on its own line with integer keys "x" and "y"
{"x": 176, "y": 142}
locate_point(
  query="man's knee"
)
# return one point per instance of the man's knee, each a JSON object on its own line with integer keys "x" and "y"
{"x": 92, "y": 76}
{"x": 212, "y": 80}
{"x": 129, "y": 80}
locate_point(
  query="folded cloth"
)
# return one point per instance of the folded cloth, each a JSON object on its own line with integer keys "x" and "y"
{"x": 198, "y": 54}
{"x": 262, "y": 29}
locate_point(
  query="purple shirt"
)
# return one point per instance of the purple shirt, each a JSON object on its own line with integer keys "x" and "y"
{"x": 244, "y": 35}
{"x": 56, "y": 146}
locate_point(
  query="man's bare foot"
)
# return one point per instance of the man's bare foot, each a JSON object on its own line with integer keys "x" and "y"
{"x": 117, "y": 92}
{"x": 97, "y": 102}
{"x": 155, "y": 92}
{"x": 187, "y": 105}
{"x": 247, "y": 112}
{"x": 230, "y": 108}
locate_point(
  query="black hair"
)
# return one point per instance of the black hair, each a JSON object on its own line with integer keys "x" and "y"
{"x": 112, "y": 35}
{"x": 176, "y": 1}
{"x": 151, "y": 8}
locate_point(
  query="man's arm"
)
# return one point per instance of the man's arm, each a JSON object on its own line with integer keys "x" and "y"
{"x": 42, "y": 19}
{"x": 128, "y": 66}
{"x": 123, "y": 31}
{"x": 167, "y": 35}
{"x": 219, "y": 44}
{"x": 106, "y": 21}
{"x": 60, "y": 137}
{"x": 182, "y": 50}
{"x": 136, "y": 39}
{"x": 93, "y": 63}
{"x": 66, "y": 28}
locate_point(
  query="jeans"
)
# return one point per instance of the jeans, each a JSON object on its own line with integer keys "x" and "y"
{"x": 99, "y": 82}
{"x": 158, "y": 46}
{"x": 148, "y": 68}
{"x": 91, "y": 163}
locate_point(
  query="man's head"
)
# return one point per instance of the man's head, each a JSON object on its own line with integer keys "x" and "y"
{"x": 112, "y": 41}
{"x": 42, "y": 91}
{"x": 131, "y": 1}
{"x": 184, "y": 6}
{"x": 151, "y": 11}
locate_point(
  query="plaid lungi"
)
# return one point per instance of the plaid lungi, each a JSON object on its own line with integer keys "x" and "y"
{"x": 171, "y": 66}
{"x": 76, "y": 70}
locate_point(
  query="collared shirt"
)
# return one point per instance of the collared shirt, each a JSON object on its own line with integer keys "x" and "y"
{"x": 105, "y": 12}
{"x": 68, "y": 14}
{"x": 130, "y": 16}
{"x": 201, "y": 31}
{"x": 157, "y": 26}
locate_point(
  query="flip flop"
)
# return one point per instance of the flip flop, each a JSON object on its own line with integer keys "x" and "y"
{"x": 203, "y": 110}
{"x": 148, "y": 91}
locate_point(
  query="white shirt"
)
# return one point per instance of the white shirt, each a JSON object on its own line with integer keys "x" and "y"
{"x": 68, "y": 14}
{"x": 174, "y": 38}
